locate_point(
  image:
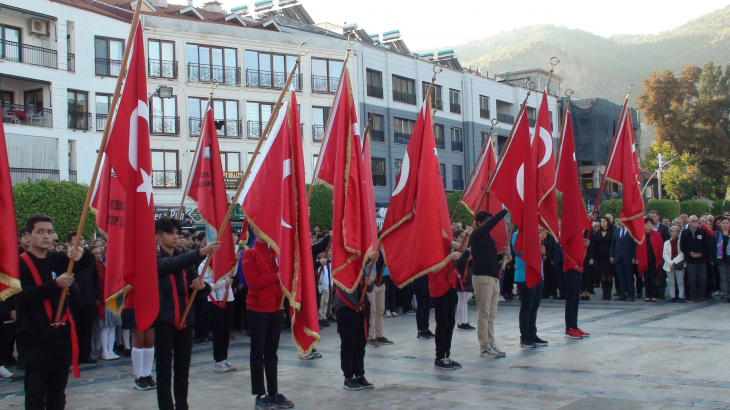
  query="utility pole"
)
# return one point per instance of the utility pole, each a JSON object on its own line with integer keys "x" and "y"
{"x": 659, "y": 159}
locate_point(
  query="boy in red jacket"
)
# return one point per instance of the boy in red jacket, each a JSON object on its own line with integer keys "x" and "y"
{"x": 265, "y": 315}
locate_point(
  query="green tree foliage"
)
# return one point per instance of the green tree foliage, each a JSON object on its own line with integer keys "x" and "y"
{"x": 320, "y": 207}
{"x": 686, "y": 178}
{"x": 612, "y": 206}
{"x": 462, "y": 215}
{"x": 62, "y": 201}
{"x": 666, "y": 208}
{"x": 695, "y": 207}
{"x": 718, "y": 207}
{"x": 650, "y": 158}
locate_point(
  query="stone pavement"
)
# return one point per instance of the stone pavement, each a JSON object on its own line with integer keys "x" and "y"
{"x": 639, "y": 356}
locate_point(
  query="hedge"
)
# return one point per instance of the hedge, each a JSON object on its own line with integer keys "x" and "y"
{"x": 611, "y": 206}
{"x": 718, "y": 207}
{"x": 62, "y": 201}
{"x": 462, "y": 215}
{"x": 667, "y": 208}
{"x": 693, "y": 207}
{"x": 320, "y": 207}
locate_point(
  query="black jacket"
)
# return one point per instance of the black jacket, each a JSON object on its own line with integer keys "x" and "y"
{"x": 484, "y": 249}
{"x": 664, "y": 232}
{"x": 697, "y": 241}
{"x": 177, "y": 266}
{"x": 89, "y": 286}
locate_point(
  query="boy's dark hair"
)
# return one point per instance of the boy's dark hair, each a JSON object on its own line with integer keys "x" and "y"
{"x": 648, "y": 219}
{"x": 167, "y": 225}
{"x": 71, "y": 234}
{"x": 21, "y": 232}
{"x": 458, "y": 233}
{"x": 34, "y": 219}
{"x": 186, "y": 234}
{"x": 200, "y": 236}
{"x": 483, "y": 216}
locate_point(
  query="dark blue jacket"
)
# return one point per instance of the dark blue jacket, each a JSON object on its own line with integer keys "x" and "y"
{"x": 622, "y": 249}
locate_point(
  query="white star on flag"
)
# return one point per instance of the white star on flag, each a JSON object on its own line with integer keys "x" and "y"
{"x": 146, "y": 186}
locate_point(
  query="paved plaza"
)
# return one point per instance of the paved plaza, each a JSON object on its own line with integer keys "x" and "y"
{"x": 639, "y": 356}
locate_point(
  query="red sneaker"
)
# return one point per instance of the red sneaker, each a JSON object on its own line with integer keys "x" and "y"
{"x": 582, "y": 333}
{"x": 573, "y": 334}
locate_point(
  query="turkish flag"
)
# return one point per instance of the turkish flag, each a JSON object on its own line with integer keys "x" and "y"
{"x": 412, "y": 242}
{"x": 128, "y": 153}
{"x": 623, "y": 168}
{"x": 515, "y": 184}
{"x": 571, "y": 237}
{"x": 9, "y": 283}
{"x": 275, "y": 203}
{"x": 206, "y": 186}
{"x": 483, "y": 170}
{"x": 342, "y": 168}
{"x": 542, "y": 154}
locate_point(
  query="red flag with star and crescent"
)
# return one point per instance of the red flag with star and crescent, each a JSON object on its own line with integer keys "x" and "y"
{"x": 543, "y": 155}
{"x": 128, "y": 155}
{"x": 9, "y": 283}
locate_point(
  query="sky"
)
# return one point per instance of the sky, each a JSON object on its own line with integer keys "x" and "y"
{"x": 429, "y": 24}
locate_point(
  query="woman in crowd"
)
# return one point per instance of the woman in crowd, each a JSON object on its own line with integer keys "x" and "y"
{"x": 601, "y": 257}
{"x": 463, "y": 286}
{"x": 674, "y": 265}
{"x": 720, "y": 256}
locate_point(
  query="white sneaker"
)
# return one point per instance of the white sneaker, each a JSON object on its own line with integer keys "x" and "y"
{"x": 221, "y": 367}
{"x": 388, "y": 314}
{"x": 109, "y": 356}
{"x": 501, "y": 298}
{"x": 230, "y": 366}
{"x": 499, "y": 352}
{"x": 5, "y": 372}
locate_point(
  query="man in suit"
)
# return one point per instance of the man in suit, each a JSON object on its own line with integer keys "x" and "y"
{"x": 623, "y": 256}
{"x": 659, "y": 227}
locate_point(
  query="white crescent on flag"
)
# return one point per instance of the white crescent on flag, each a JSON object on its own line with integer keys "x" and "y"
{"x": 405, "y": 170}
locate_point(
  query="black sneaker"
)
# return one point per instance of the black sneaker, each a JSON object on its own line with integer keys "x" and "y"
{"x": 527, "y": 343}
{"x": 352, "y": 384}
{"x": 383, "y": 341}
{"x": 429, "y": 333}
{"x": 423, "y": 335}
{"x": 454, "y": 363}
{"x": 281, "y": 402}
{"x": 151, "y": 382}
{"x": 672, "y": 300}
{"x": 443, "y": 364}
{"x": 201, "y": 341}
{"x": 141, "y": 383}
{"x": 364, "y": 382}
{"x": 539, "y": 342}
{"x": 469, "y": 327}
{"x": 264, "y": 403}
{"x": 461, "y": 326}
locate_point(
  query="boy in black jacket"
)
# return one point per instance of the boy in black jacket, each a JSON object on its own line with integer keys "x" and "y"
{"x": 176, "y": 284}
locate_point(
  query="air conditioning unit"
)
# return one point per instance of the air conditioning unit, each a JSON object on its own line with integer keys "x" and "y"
{"x": 39, "y": 27}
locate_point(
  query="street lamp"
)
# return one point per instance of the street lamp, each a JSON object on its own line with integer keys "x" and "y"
{"x": 163, "y": 91}
{"x": 658, "y": 172}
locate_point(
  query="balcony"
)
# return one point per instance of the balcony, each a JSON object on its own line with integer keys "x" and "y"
{"x": 506, "y": 118}
{"x": 108, "y": 68}
{"x": 162, "y": 69}
{"x": 440, "y": 143}
{"x": 79, "y": 120}
{"x": 166, "y": 179}
{"x": 379, "y": 180}
{"x": 71, "y": 62}
{"x": 25, "y": 53}
{"x": 377, "y": 135}
{"x": 457, "y": 184}
{"x": 73, "y": 175}
{"x": 375, "y": 91}
{"x": 483, "y": 113}
{"x": 317, "y": 133}
{"x": 205, "y": 73}
{"x": 532, "y": 121}
{"x": 457, "y": 146}
{"x": 273, "y": 80}
{"x": 455, "y": 108}
{"x": 162, "y": 125}
{"x": 253, "y": 130}
{"x": 404, "y": 97}
{"x": 27, "y": 115}
{"x": 25, "y": 175}
{"x": 322, "y": 84}
{"x": 101, "y": 121}
{"x": 224, "y": 128}
{"x": 401, "y": 138}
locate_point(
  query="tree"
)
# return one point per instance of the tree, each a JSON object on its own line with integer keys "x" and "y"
{"x": 686, "y": 178}
{"x": 650, "y": 158}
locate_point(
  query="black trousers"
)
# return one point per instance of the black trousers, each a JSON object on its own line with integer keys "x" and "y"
{"x": 550, "y": 286}
{"x": 559, "y": 279}
{"x": 405, "y": 297}
{"x": 202, "y": 325}
{"x": 221, "y": 320}
{"x": 240, "y": 318}
{"x": 625, "y": 278}
{"x": 423, "y": 302}
{"x": 169, "y": 339}
{"x": 265, "y": 332}
{"x": 637, "y": 279}
{"x": 46, "y": 373}
{"x": 529, "y": 303}
{"x": 390, "y": 290}
{"x": 84, "y": 318}
{"x": 648, "y": 279}
{"x": 509, "y": 282}
{"x": 351, "y": 326}
{"x": 7, "y": 330}
{"x": 573, "y": 280}
{"x": 445, "y": 320}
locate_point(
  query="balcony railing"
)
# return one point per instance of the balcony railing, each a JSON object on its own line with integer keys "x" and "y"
{"x": 205, "y": 73}
{"x": 108, "y": 68}
{"x": 455, "y": 108}
{"x": 25, "y": 53}
{"x": 379, "y": 180}
{"x": 440, "y": 143}
{"x": 166, "y": 179}
{"x": 224, "y": 128}
{"x": 253, "y": 130}
{"x": 27, "y": 115}
{"x": 532, "y": 121}
{"x": 484, "y": 113}
{"x": 506, "y": 118}
{"x": 377, "y": 135}
{"x": 101, "y": 121}
{"x": 375, "y": 91}
{"x": 322, "y": 84}
{"x": 79, "y": 120}
{"x": 162, "y": 68}
{"x": 165, "y": 125}
{"x": 71, "y": 62}
{"x": 317, "y": 133}
{"x": 24, "y": 175}
{"x": 274, "y": 80}
{"x": 72, "y": 175}
{"x": 457, "y": 184}
{"x": 401, "y": 138}
{"x": 457, "y": 146}
{"x": 404, "y": 97}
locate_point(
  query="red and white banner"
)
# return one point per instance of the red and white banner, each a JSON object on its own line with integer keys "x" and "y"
{"x": 9, "y": 283}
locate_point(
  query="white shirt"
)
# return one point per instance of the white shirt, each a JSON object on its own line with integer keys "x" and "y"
{"x": 217, "y": 290}
{"x": 324, "y": 279}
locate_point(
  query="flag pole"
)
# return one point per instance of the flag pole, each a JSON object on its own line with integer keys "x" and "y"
{"x": 100, "y": 155}
{"x": 329, "y": 118}
{"x": 265, "y": 134}
{"x": 213, "y": 86}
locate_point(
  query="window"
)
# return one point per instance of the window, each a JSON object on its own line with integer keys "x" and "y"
{"x": 436, "y": 101}
{"x": 442, "y": 169}
{"x": 163, "y": 115}
{"x": 378, "y": 167}
{"x": 402, "y": 130}
{"x": 438, "y": 133}
{"x": 33, "y": 101}
{"x": 483, "y": 107}
{"x": 206, "y": 63}
{"x": 319, "y": 121}
{"x": 267, "y": 70}
{"x": 257, "y": 116}
{"x": 225, "y": 114}
{"x": 398, "y": 166}
{"x": 531, "y": 116}
{"x": 457, "y": 145}
{"x": 325, "y": 75}
{"x": 103, "y": 102}
{"x": 161, "y": 59}
{"x": 485, "y": 136}
{"x": 457, "y": 177}
{"x": 404, "y": 90}
{"x": 377, "y": 132}
{"x": 78, "y": 110}
{"x": 315, "y": 158}
{"x": 109, "y": 53}
{"x": 165, "y": 172}
{"x": 454, "y": 101}
{"x": 551, "y": 121}
{"x": 375, "y": 83}
{"x": 10, "y": 41}
{"x": 231, "y": 164}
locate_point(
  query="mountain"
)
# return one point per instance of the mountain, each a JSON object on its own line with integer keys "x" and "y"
{"x": 598, "y": 66}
